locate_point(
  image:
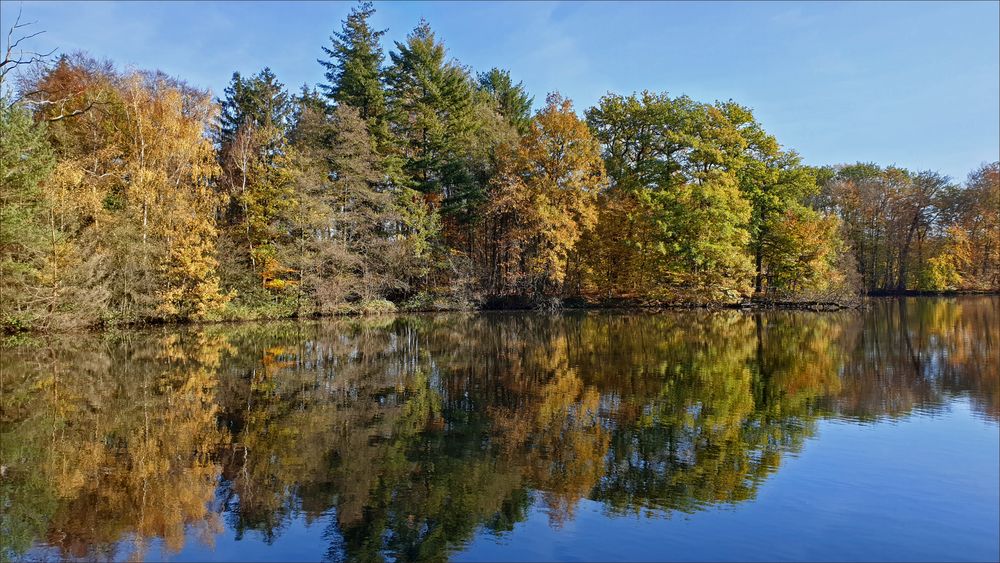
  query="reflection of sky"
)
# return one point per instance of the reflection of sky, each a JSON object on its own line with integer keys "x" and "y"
{"x": 926, "y": 487}
{"x": 298, "y": 541}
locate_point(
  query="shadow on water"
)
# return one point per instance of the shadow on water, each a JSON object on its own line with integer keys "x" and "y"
{"x": 406, "y": 436}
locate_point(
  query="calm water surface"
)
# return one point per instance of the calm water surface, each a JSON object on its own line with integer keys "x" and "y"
{"x": 689, "y": 435}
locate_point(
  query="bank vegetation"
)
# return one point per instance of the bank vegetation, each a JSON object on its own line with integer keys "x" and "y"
{"x": 407, "y": 181}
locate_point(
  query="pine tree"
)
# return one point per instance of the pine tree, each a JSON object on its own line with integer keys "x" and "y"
{"x": 26, "y": 159}
{"x": 258, "y": 173}
{"x": 354, "y": 66}
{"x": 512, "y": 101}
{"x": 431, "y": 103}
{"x": 259, "y": 103}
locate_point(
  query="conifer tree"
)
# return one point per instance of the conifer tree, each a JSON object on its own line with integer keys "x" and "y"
{"x": 26, "y": 159}
{"x": 512, "y": 100}
{"x": 258, "y": 172}
{"x": 431, "y": 103}
{"x": 354, "y": 66}
{"x": 354, "y": 74}
{"x": 258, "y": 102}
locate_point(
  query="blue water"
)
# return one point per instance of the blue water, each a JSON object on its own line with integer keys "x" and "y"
{"x": 701, "y": 436}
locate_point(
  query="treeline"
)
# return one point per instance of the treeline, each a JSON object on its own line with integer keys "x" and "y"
{"x": 410, "y": 181}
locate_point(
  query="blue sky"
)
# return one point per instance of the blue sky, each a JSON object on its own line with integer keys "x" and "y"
{"x": 912, "y": 84}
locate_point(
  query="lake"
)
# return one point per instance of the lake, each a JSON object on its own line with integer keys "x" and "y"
{"x": 586, "y": 435}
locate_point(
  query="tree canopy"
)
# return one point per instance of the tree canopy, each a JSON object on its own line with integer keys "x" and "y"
{"x": 406, "y": 180}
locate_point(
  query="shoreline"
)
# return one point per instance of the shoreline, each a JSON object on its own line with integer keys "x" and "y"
{"x": 524, "y": 305}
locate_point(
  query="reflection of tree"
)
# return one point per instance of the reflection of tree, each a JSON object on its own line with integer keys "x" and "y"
{"x": 964, "y": 336}
{"x": 914, "y": 353}
{"x": 406, "y": 436}
{"x": 555, "y": 432}
{"x": 295, "y": 403}
{"x": 726, "y": 408}
{"x": 128, "y": 449}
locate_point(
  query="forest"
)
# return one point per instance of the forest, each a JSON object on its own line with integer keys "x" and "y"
{"x": 407, "y": 181}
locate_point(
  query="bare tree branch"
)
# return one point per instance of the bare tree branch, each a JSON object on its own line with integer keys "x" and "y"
{"x": 23, "y": 57}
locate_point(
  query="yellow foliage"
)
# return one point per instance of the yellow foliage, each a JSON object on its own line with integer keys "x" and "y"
{"x": 546, "y": 197}
{"x": 168, "y": 171}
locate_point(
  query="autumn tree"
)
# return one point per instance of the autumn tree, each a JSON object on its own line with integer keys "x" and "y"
{"x": 75, "y": 97}
{"x": 807, "y": 258}
{"x": 920, "y": 210}
{"x": 132, "y": 211}
{"x": 168, "y": 169}
{"x": 894, "y": 220}
{"x": 976, "y": 231}
{"x": 544, "y": 200}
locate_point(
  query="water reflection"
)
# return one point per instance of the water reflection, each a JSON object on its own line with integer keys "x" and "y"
{"x": 407, "y": 436}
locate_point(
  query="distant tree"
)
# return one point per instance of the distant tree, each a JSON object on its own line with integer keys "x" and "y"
{"x": 980, "y": 219}
{"x": 967, "y": 254}
{"x": 892, "y": 218}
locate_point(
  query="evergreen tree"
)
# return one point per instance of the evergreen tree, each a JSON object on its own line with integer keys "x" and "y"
{"x": 354, "y": 74}
{"x": 26, "y": 159}
{"x": 260, "y": 103}
{"x": 258, "y": 170}
{"x": 447, "y": 131}
{"x": 432, "y": 112}
{"x": 512, "y": 101}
